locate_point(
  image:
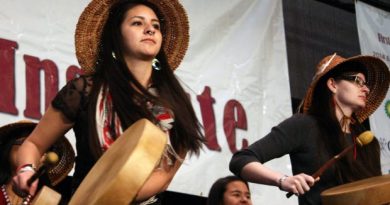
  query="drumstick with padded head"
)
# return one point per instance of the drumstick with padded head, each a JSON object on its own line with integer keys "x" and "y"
{"x": 51, "y": 158}
{"x": 363, "y": 139}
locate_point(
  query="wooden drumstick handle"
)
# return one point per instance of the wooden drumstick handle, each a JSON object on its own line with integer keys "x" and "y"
{"x": 363, "y": 139}
{"x": 50, "y": 159}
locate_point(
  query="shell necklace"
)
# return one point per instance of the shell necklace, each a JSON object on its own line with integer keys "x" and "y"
{"x": 26, "y": 201}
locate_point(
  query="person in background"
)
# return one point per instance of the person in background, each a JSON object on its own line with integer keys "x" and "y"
{"x": 11, "y": 137}
{"x": 229, "y": 190}
{"x": 344, "y": 92}
{"x": 128, "y": 50}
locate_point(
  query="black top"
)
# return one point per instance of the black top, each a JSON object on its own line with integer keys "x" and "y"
{"x": 72, "y": 101}
{"x": 298, "y": 136}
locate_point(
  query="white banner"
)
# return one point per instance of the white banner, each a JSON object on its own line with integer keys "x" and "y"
{"x": 235, "y": 71}
{"x": 374, "y": 37}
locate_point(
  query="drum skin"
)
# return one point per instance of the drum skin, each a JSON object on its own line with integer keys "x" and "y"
{"x": 370, "y": 191}
{"x": 46, "y": 196}
{"x": 122, "y": 170}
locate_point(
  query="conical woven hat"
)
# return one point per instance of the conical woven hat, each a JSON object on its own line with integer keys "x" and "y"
{"x": 91, "y": 22}
{"x": 62, "y": 148}
{"x": 378, "y": 77}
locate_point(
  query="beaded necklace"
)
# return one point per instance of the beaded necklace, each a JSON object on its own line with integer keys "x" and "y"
{"x": 26, "y": 201}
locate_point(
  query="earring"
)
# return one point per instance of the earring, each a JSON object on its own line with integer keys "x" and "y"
{"x": 113, "y": 55}
{"x": 156, "y": 64}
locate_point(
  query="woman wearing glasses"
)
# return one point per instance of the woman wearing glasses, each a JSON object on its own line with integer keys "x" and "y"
{"x": 343, "y": 93}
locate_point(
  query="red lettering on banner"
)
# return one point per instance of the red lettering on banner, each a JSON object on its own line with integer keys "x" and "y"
{"x": 72, "y": 72}
{"x": 7, "y": 76}
{"x": 206, "y": 102}
{"x": 234, "y": 116}
{"x": 230, "y": 122}
{"x": 33, "y": 93}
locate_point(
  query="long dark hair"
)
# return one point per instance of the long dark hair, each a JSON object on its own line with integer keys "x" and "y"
{"x": 129, "y": 97}
{"x": 6, "y": 144}
{"x": 6, "y": 166}
{"x": 323, "y": 108}
{"x": 218, "y": 189}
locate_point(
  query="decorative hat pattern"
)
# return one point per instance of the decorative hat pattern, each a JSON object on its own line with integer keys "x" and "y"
{"x": 378, "y": 77}
{"x": 91, "y": 22}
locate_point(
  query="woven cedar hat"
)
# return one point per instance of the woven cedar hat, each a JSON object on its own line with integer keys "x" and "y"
{"x": 62, "y": 148}
{"x": 91, "y": 22}
{"x": 378, "y": 77}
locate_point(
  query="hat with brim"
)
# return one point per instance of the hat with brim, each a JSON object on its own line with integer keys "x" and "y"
{"x": 66, "y": 156}
{"x": 377, "y": 78}
{"x": 91, "y": 22}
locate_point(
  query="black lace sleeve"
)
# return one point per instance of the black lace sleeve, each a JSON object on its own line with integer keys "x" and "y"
{"x": 73, "y": 97}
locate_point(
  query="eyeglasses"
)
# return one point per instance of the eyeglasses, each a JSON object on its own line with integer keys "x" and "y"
{"x": 354, "y": 78}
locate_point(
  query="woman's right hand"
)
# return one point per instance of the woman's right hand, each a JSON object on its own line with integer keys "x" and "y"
{"x": 21, "y": 186}
{"x": 297, "y": 184}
